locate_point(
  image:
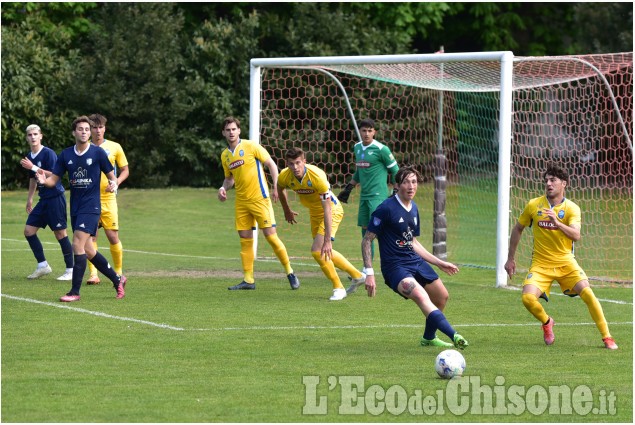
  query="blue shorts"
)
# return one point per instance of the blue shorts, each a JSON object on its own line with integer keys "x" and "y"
{"x": 86, "y": 223}
{"x": 421, "y": 272}
{"x": 49, "y": 212}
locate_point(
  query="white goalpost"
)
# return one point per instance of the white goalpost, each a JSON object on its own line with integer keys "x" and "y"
{"x": 480, "y": 126}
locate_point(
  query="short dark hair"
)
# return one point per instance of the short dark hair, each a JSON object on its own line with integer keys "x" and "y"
{"x": 367, "y": 123}
{"x": 405, "y": 171}
{"x": 294, "y": 153}
{"x": 82, "y": 118}
{"x": 231, "y": 120}
{"x": 98, "y": 119}
{"x": 556, "y": 171}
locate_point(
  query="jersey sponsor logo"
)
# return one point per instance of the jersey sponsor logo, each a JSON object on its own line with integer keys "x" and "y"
{"x": 546, "y": 224}
{"x": 363, "y": 164}
{"x": 79, "y": 179}
{"x": 304, "y": 191}
{"x": 236, "y": 164}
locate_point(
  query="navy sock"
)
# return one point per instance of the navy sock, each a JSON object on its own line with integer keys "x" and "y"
{"x": 100, "y": 262}
{"x": 440, "y": 322}
{"x": 67, "y": 250}
{"x": 78, "y": 273}
{"x": 430, "y": 331}
{"x": 36, "y": 247}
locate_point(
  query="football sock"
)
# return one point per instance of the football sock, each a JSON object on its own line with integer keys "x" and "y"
{"x": 67, "y": 250}
{"x": 430, "y": 331}
{"x": 328, "y": 269}
{"x": 104, "y": 268}
{"x": 281, "y": 252}
{"x": 535, "y": 308}
{"x": 438, "y": 321}
{"x": 79, "y": 267}
{"x": 372, "y": 246}
{"x": 247, "y": 257}
{"x": 116, "y": 251}
{"x": 344, "y": 265}
{"x": 36, "y": 247}
{"x": 596, "y": 311}
{"x": 92, "y": 271}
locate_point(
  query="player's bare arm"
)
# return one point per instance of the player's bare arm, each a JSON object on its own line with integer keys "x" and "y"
{"x": 228, "y": 183}
{"x": 327, "y": 246}
{"x": 289, "y": 214}
{"x": 273, "y": 170}
{"x": 447, "y": 267}
{"x": 510, "y": 265}
{"x": 124, "y": 172}
{"x": 26, "y": 163}
{"x": 572, "y": 232}
{"x": 48, "y": 181}
{"x": 368, "y": 262}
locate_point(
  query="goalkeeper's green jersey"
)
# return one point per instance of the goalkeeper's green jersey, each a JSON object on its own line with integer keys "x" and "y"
{"x": 372, "y": 165}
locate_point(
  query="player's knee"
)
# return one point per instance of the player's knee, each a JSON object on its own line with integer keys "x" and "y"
{"x": 317, "y": 256}
{"x": 529, "y": 300}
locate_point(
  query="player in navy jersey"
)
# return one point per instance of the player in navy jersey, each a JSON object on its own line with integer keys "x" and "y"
{"x": 50, "y": 209}
{"x": 404, "y": 261}
{"x": 84, "y": 164}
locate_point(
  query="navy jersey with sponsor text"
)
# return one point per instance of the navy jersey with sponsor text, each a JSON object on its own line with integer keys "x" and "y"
{"x": 395, "y": 227}
{"x": 84, "y": 176}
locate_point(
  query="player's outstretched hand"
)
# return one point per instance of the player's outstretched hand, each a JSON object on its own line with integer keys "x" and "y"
{"x": 510, "y": 268}
{"x": 370, "y": 285}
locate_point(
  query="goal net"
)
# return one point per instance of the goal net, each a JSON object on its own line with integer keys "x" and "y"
{"x": 446, "y": 115}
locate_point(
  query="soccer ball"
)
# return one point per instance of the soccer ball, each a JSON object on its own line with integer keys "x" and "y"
{"x": 449, "y": 363}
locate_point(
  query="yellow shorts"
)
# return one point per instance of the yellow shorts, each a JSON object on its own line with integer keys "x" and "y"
{"x": 317, "y": 222}
{"x": 567, "y": 277}
{"x": 249, "y": 213}
{"x": 109, "y": 218}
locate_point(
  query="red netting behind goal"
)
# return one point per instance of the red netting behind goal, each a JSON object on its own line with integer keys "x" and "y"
{"x": 562, "y": 111}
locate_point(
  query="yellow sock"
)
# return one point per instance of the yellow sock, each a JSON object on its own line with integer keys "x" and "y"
{"x": 92, "y": 269}
{"x": 597, "y": 314}
{"x": 533, "y": 306}
{"x": 328, "y": 269}
{"x": 116, "y": 251}
{"x": 247, "y": 257}
{"x": 344, "y": 265}
{"x": 281, "y": 252}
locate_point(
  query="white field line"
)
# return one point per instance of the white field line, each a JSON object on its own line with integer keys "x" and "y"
{"x": 278, "y": 328}
{"x": 275, "y": 260}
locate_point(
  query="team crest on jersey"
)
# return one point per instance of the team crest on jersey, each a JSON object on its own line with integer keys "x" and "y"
{"x": 236, "y": 164}
{"x": 89, "y": 161}
{"x": 241, "y": 153}
{"x": 529, "y": 275}
{"x": 561, "y": 214}
{"x": 309, "y": 183}
{"x": 39, "y": 164}
{"x": 376, "y": 221}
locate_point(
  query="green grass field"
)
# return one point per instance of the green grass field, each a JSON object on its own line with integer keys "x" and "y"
{"x": 181, "y": 348}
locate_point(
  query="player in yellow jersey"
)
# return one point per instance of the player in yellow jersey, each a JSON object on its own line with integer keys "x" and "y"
{"x": 243, "y": 162}
{"x": 325, "y": 212}
{"x": 109, "y": 218}
{"x": 556, "y": 223}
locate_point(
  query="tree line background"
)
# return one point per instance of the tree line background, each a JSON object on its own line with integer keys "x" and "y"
{"x": 166, "y": 74}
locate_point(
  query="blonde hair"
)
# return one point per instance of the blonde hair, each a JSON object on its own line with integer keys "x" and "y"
{"x": 34, "y": 127}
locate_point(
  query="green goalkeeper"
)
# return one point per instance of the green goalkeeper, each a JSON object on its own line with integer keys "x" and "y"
{"x": 373, "y": 162}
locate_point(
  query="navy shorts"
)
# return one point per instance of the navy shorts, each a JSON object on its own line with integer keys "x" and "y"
{"x": 421, "y": 272}
{"x": 49, "y": 212}
{"x": 87, "y": 223}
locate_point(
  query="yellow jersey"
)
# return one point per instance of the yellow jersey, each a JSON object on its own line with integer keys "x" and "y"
{"x": 245, "y": 164}
{"x": 311, "y": 189}
{"x": 552, "y": 248}
{"x": 117, "y": 158}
